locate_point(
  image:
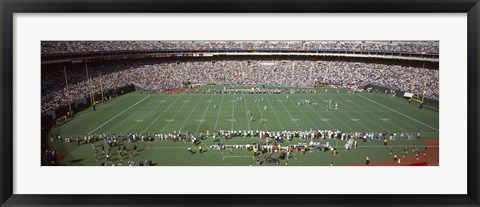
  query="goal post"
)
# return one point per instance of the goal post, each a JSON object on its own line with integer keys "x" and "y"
{"x": 421, "y": 98}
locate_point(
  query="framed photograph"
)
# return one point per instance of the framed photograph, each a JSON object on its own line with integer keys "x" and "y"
{"x": 262, "y": 103}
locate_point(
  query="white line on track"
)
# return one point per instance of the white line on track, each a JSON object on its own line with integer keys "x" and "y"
{"x": 118, "y": 115}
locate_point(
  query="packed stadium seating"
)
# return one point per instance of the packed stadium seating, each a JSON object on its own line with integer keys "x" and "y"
{"x": 162, "y": 75}
{"x": 406, "y": 47}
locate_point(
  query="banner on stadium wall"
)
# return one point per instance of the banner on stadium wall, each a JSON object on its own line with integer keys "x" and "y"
{"x": 408, "y": 95}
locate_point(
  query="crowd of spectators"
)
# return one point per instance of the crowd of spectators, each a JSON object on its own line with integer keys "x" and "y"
{"x": 71, "y": 47}
{"x": 169, "y": 74}
{"x": 55, "y": 93}
{"x": 280, "y": 143}
{"x": 49, "y": 157}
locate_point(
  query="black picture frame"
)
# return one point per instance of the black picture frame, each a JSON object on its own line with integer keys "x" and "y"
{"x": 10, "y": 7}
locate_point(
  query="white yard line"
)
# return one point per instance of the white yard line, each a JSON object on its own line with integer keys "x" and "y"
{"x": 218, "y": 115}
{"x": 75, "y": 121}
{"x": 401, "y": 113}
{"x": 275, "y": 112}
{"x": 359, "y": 117}
{"x": 246, "y": 109}
{"x": 191, "y": 112}
{"x": 330, "y": 114}
{"x": 359, "y": 122}
{"x": 313, "y": 109}
{"x": 175, "y": 115}
{"x": 151, "y": 124}
{"x": 296, "y": 105}
{"x": 233, "y": 110}
{"x": 201, "y": 142}
{"x": 291, "y": 117}
{"x": 118, "y": 115}
{"x": 394, "y": 117}
{"x": 137, "y": 112}
{"x": 143, "y": 117}
{"x": 205, "y": 112}
{"x": 72, "y": 123}
{"x": 261, "y": 114}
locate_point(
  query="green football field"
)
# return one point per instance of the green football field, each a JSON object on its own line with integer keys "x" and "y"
{"x": 195, "y": 112}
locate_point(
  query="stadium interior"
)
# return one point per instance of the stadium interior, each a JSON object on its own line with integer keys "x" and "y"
{"x": 268, "y": 103}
